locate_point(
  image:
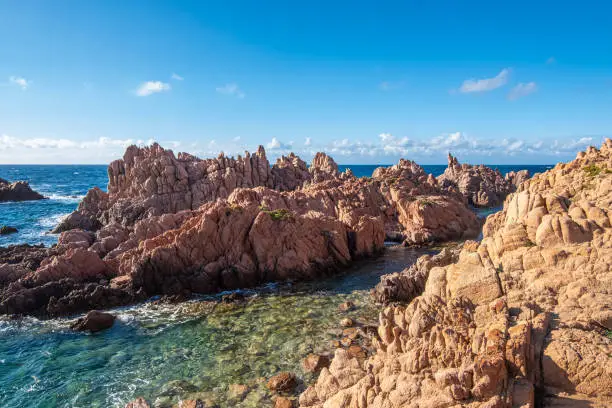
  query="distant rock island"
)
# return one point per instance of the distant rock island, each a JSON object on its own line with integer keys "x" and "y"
{"x": 17, "y": 191}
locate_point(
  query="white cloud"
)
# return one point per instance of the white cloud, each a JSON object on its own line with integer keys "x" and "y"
{"x": 274, "y": 144}
{"x": 151, "y": 87}
{"x": 551, "y": 60}
{"x": 176, "y": 77}
{"x": 20, "y": 82}
{"x": 231, "y": 89}
{"x": 308, "y": 141}
{"x": 522, "y": 89}
{"x": 486, "y": 84}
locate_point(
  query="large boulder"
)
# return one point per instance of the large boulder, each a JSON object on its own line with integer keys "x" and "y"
{"x": 17, "y": 191}
{"x": 94, "y": 321}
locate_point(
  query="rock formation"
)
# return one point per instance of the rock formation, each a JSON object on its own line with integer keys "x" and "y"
{"x": 17, "y": 191}
{"x": 175, "y": 225}
{"x": 522, "y": 318}
{"x": 480, "y": 185}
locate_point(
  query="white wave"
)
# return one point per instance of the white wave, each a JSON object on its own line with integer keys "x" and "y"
{"x": 52, "y": 220}
{"x": 66, "y": 198}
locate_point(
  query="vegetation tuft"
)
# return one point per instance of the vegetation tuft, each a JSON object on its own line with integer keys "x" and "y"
{"x": 592, "y": 170}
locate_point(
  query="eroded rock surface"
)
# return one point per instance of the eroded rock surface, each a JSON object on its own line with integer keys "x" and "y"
{"x": 173, "y": 225}
{"x": 17, "y": 191}
{"x": 522, "y": 317}
{"x": 482, "y": 186}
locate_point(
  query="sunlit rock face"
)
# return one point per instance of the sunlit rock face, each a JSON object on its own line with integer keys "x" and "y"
{"x": 179, "y": 224}
{"x": 480, "y": 185}
{"x": 523, "y": 316}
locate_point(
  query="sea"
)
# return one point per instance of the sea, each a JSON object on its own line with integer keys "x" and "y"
{"x": 166, "y": 353}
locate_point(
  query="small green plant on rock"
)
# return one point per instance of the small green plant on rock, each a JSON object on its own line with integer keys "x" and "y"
{"x": 592, "y": 170}
{"x": 279, "y": 215}
{"x": 426, "y": 203}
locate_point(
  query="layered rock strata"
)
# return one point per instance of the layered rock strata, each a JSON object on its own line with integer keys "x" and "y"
{"x": 522, "y": 318}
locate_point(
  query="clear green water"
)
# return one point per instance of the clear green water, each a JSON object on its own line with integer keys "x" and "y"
{"x": 171, "y": 352}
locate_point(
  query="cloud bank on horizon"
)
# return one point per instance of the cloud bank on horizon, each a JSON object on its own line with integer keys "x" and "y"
{"x": 387, "y": 149}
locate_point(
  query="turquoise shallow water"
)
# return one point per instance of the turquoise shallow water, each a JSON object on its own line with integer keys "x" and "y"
{"x": 188, "y": 350}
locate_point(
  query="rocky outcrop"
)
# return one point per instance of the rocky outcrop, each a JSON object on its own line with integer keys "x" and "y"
{"x": 516, "y": 178}
{"x": 175, "y": 225}
{"x": 480, "y": 185}
{"x": 406, "y": 285}
{"x": 17, "y": 191}
{"x": 519, "y": 319}
{"x": 420, "y": 212}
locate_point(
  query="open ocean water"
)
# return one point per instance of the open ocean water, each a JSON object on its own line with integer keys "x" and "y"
{"x": 66, "y": 185}
{"x": 170, "y": 352}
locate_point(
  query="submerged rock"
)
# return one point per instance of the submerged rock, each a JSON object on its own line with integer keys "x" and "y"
{"x": 94, "y": 321}
{"x": 17, "y": 191}
{"x": 283, "y": 402}
{"x": 315, "y": 362}
{"x": 138, "y": 403}
{"x": 282, "y": 382}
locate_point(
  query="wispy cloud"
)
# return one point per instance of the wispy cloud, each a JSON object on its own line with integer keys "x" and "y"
{"x": 521, "y": 90}
{"x": 308, "y": 141}
{"x": 551, "y": 60}
{"x": 151, "y": 87}
{"x": 20, "y": 82}
{"x": 231, "y": 89}
{"x": 176, "y": 77}
{"x": 486, "y": 84}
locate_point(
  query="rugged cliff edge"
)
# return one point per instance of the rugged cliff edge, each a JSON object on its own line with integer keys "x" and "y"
{"x": 521, "y": 319}
{"x": 179, "y": 224}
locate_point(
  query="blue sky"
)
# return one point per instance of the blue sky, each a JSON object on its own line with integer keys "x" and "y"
{"x": 499, "y": 83}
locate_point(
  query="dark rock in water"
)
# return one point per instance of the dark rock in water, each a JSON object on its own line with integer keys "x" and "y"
{"x": 314, "y": 362}
{"x": 94, "y": 321}
{"x": 5, "y": 230}
{"x": 238, "y": 391}
{"x": 284, "y": 381}
{"x": 233, "y": 297}
{"x": 17, "y": 191}
{"x": 138, "y": 403}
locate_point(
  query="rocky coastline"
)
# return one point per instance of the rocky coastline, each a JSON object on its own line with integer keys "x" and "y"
{"x": 521, "y": 319}
{"x": 175, "y": 225}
